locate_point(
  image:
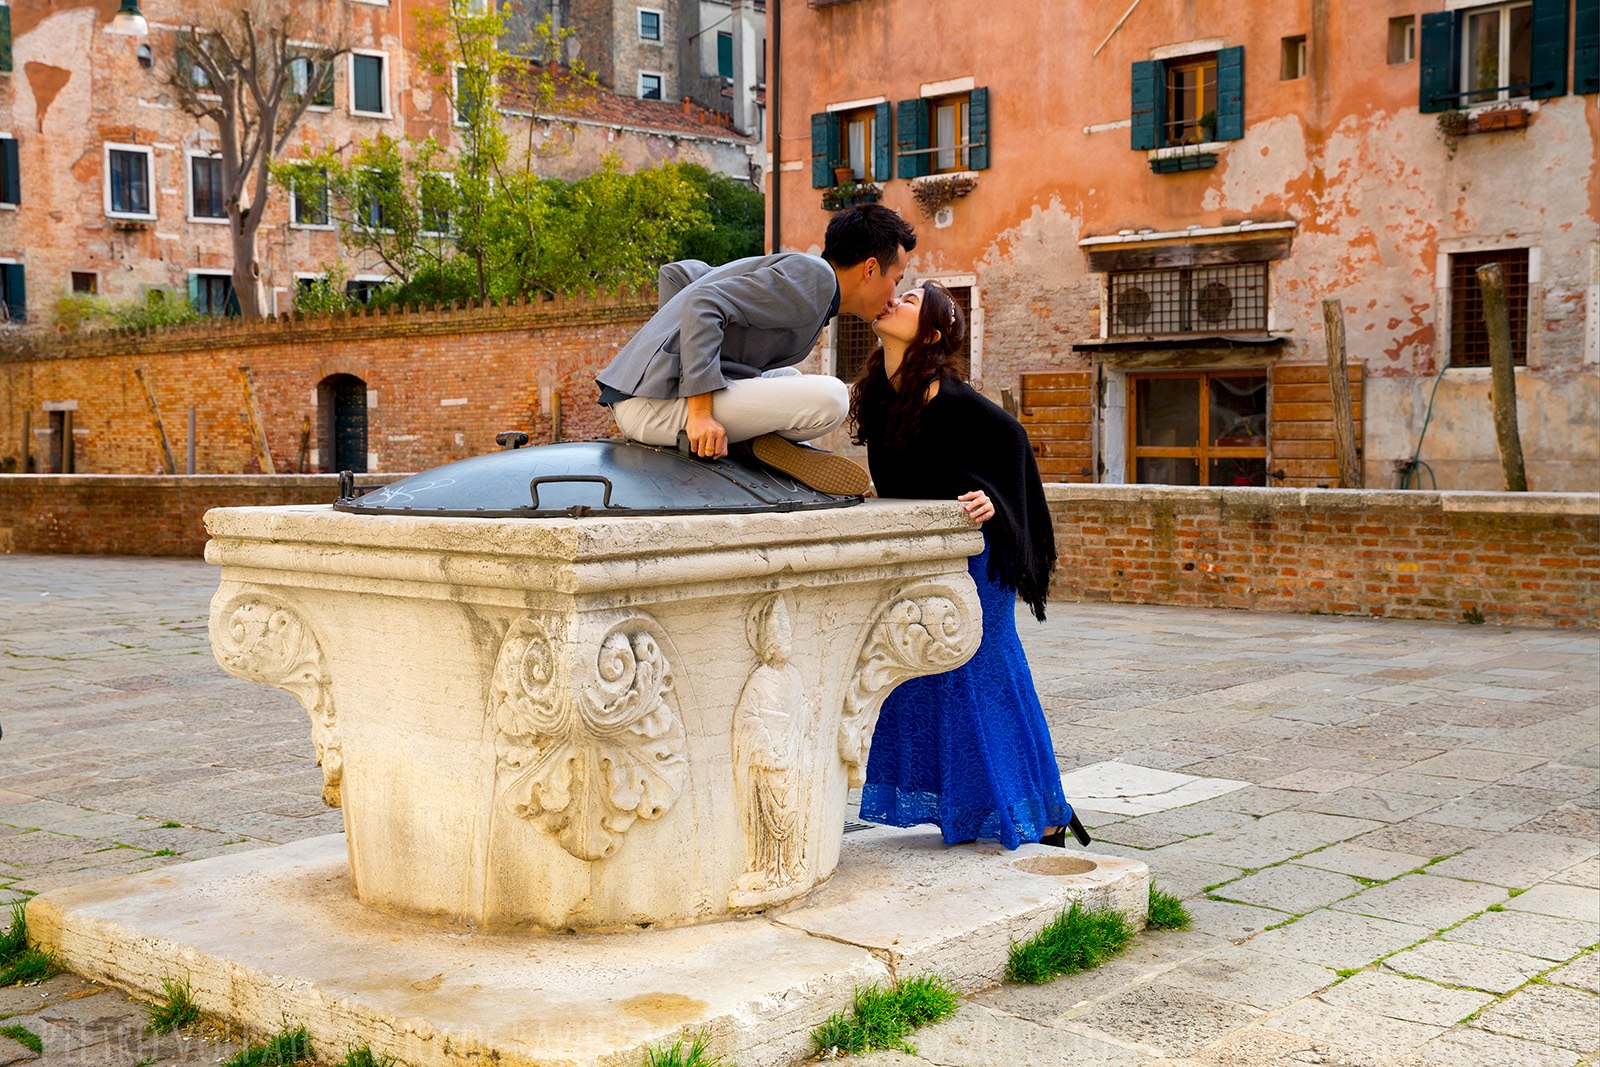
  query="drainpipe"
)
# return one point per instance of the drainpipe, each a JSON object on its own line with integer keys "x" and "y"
{"x": 775, "y": 120}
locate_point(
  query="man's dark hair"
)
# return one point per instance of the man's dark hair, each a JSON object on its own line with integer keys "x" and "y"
{"x": 867, "y": 231}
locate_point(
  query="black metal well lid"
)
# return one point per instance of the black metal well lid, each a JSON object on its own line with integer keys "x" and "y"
{"x": 610, "y": 477}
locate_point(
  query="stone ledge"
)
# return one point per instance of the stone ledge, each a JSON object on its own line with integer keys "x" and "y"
{"x": 1463, "y": 501}
{"x": 276, "y": 934}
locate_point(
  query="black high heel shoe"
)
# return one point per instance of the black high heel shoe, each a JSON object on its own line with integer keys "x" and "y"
{"x": 1057, "y": 838}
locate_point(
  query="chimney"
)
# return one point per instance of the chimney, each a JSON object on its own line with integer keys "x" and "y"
{"x": 745, "y": 43}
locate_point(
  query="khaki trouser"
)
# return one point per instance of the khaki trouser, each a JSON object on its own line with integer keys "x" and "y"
{"x": 797, "y": 406}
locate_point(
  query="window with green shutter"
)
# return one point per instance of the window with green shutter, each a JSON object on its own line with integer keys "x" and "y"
{"x": 943, "y": 134}
{"x": 1191, "y": 99}
{"x": 1496, "y": 52}
{"x": 10, "y": 176}
{"x": 5, "y": 37}
{"x": 366, "y": 77}
{"x": 911, "y": 137}
{"x": 725, "y": 55}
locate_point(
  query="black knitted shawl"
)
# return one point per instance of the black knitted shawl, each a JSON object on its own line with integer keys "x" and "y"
{"x": 966, "y": 442}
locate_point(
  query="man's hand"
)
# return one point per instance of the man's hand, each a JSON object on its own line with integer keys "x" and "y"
{"x": 707, "y": 436}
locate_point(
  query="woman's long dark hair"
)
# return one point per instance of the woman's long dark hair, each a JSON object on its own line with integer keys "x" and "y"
{"x": 894, "y": 411}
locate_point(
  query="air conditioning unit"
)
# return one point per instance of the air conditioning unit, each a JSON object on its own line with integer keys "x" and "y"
{"x": 1226, "y": 297}
{"x": 1146, "y": 302}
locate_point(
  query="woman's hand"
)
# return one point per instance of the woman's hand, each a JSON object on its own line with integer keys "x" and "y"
{"x": 977, "y": 505}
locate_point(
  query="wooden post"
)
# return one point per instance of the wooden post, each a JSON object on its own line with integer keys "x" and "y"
{"x": 303, "y": 460}
{"x": 258, "y": 432}
{"x": 1502, "y": 376}
{"x": 1344, "y": 427}
{"x": 555, "y": 416}
{"x": 168, "y": 464}
{"x": 69, "y": 462}
{"x": 27, "y": 442}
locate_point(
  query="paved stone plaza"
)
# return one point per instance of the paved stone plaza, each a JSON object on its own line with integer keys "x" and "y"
{"x": 1408, "y": 874}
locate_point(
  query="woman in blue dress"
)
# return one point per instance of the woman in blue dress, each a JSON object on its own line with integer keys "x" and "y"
{"x": 968, "y": 750}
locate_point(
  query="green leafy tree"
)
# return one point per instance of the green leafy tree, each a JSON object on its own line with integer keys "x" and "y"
{"x": 736, "y": 213}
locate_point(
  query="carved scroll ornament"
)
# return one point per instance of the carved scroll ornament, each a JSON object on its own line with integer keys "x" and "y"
{"x": 589, "y": 731}
{"x": 261, "y": 638}
{"x": 924, "y": 629}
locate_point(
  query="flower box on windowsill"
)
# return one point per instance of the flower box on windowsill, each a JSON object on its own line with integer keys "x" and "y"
{"x": 850, "y": 194}
{"x": 130, "y": 224}
{"x": 1180, "y": 157}
{"x": 1499, "y": 118}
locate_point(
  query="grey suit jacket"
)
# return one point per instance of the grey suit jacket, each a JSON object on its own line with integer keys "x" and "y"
{"x": 725, "y": 323}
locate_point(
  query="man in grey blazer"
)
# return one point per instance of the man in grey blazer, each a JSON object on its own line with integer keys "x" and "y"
{"x": 716, "y": 360}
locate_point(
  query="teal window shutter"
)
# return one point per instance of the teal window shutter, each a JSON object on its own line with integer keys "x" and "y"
{"x": 824, "y": 149}
{"x": 1586, "y": 47}
{"x": 1440, "y": 88}
{"x": 16, "y": 291}
{"x": 1149, "y": 103}
{"x": 5, "y": 38}
{"x": 911, "y": 134}
{"x": 724, "y": 55}
{"x": 194, "y": 292}
{"x": 368, "y": 88}
{"x": 1549, "y": 58}
{"x": 10, "y": 178}
{"x": 1230, "y": 94}
{"x": 230, "y": 306}
{"x": 882, "y": 144}
{"x": 978, "y": 129}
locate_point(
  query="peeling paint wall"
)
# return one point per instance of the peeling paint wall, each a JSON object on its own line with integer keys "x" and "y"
{"x": 1379, "y": 199}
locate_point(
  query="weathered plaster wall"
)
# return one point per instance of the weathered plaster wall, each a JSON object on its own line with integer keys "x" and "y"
{"x": 1344, "y": 152}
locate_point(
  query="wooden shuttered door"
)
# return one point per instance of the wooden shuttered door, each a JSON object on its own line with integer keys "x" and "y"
{"x": 1300, "y": 424}
{"x": 1057, "y": 410}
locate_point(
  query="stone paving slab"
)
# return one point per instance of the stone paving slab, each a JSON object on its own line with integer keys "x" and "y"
{"x": 1550, "y": 1015}
{"x": 117, "y": 721}
{"x": 1412, "y": 999}
{"x": 1424, "y": 900}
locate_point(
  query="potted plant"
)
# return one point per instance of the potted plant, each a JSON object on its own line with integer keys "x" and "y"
{"x": 844, "y": 175}
{"x": 851, "y": 193}
{"x": 1208, "y": 126}
{"x": 1453, "y": 124}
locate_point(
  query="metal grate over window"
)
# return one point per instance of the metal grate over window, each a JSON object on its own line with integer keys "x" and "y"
{"x": 1469, "y": 334}
{"x": 1223, "y": 299}
{"x": 853, "y": 342}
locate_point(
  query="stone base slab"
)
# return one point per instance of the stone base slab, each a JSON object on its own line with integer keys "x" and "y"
{"x": 276, "y": 936}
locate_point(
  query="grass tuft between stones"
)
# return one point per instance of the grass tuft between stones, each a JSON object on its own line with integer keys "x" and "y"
{"x": 1166, "y": 911}
{"x": 698, "y": 1054}
{"x": 363, "y": 1056}
{"x": 21, "y": 961}
{"x": 24, "y": 1037}
{"x": 286, "y": 1047}
{"x": 882, "y": 1016}
{"x": 1078, "y": 939}
{"x": 175, "y": 1010}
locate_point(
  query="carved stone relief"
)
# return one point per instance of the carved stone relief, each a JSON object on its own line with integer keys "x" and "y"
{"x": 923, "y": 629}
{"x": 260, "y": 638}
{"x": 772, "y": 761}
{"x": 588, "y": 731}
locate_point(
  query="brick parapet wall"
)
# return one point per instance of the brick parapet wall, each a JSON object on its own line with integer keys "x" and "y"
{"x": 140, "y": 515}
{"x": 440, "y": 383}
{"x": 1519, "y": 559}
{"x": 1527, "y": 559}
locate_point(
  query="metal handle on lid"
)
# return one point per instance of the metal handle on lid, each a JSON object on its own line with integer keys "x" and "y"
{"x": 605, "y": 499}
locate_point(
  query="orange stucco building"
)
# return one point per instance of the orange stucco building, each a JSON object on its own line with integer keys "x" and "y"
{"x": 1145, "y": 205}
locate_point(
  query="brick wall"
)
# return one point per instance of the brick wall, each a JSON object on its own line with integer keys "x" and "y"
{"x": 1518, "y": 559}
{"x": 440, "y": 384}
{"x": 1529, "y": 559}
{"x": 139, "y": 515}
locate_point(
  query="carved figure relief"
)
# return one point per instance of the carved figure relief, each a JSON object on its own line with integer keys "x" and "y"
{"x": 591, "y": 744}
{"x": 770, "y": 766}
{"x": 924, "y": 629}
{"x": 260, "y": 638}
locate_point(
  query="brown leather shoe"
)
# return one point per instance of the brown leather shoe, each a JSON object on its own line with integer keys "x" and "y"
{"x": 825, "y": 472}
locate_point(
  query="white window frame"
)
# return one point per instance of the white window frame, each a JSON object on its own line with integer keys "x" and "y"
{"x": 380, "y": 279}
{"x": 350, "y": 69}
{"x": 1444, "y": 310}
{"x": 1464, "y": 58}
{"x": 149, "y": 154}
{"x": 661, "y": 25}
{"x": 322, "y": 108}
{"x": 212, "y": 273}
{"x": 662, "y": 78}
{"x": 361, "y": 222}
{"x": 7, "y": 135}
{"x": 294, "y": 199}
{"x": 188, "y": 173}
{"x": 372, "y": 3}
{"x": 449, "y": 179}
{"x": 455, "y": 105}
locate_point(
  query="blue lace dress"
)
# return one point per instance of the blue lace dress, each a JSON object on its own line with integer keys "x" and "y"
{"x": 969, "y": 750}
